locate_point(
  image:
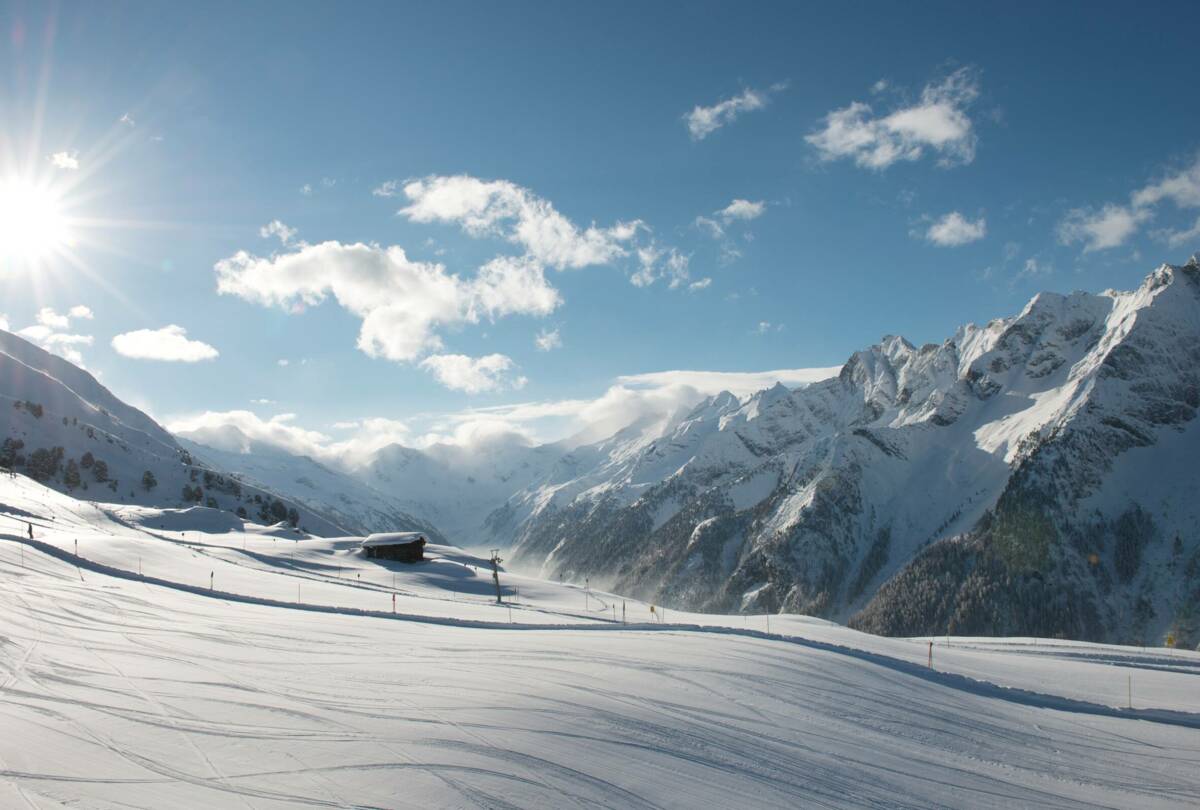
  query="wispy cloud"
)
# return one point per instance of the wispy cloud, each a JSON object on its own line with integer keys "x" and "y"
{"x": 277, "y": 229}
{"x": 503, "y": 209}
{"x": 938, "y": 123}
{"x": 742, "y": 209}
{"x": 703, "y": 121}
{"x": 547, "y": 339}
{"x": 50, "y": 333}
{"x": 474, "y": 375}
{"x": 1113, "y": 224}
{"x": 1108, "y": 227}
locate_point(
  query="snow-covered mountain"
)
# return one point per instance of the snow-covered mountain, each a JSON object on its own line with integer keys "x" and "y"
{"x": 59, "y": 425}
{"x": 1030, "y": 476}
{"x": 1033, "y": 475}
{"x": 354, "y": 505}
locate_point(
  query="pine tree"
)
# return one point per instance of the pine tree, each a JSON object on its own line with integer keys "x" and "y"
{"x": 71, "y": 476}
{"x": 149, "y": 482}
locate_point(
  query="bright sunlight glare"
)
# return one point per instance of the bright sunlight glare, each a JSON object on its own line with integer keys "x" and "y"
{"x": 32, "y": 225}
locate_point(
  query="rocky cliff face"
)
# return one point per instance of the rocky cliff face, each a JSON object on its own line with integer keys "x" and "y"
{"x": 1030, "y": 475}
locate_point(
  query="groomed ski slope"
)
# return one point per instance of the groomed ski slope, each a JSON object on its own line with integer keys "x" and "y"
{"x": 126, "y": 682}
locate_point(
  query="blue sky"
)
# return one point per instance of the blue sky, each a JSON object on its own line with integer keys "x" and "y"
{"x": 769, "y": 187}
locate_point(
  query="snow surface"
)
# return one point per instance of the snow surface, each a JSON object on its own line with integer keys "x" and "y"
{"x": 127, "y": 682}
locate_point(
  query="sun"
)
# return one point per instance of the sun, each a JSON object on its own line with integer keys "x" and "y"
{"x": 33, "y": 227}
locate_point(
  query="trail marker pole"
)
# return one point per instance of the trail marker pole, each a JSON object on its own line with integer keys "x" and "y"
{"x": 768, "y": 623}
{"x": 931, "y": 655}
{"x": 77, "y": 547}
{"x": 1129, "y": 686}
{"x": 210, "y": 579}
{"x": 510, "y": 614}
{"x": 622, "y": 611}
{"x": 393, "y": 603}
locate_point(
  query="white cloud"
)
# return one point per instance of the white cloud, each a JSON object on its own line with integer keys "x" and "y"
{"x": 262, "y": 402}
{"x": 700, "y": 284}
{"x": 1112, "y": 225}
{"x": 1181, "y": 188}
{"x": 656, "y": 263}
{"x": 64, "y": 160}
{"x": 169, "y": 344}
{"x": 48, "y": 317}
{"x": 127, "y": 120}
{"x": 548, "y": 339}
{"x": 278, "y": 229}
{"x": 937, "y": 123}
{"x": 954, "y": 229}
{"x": 388, "y": 188}
{"x": 473, "y": 375}
{"x": 711, "y": 226}
{"x": 503, "y": 209}
{"x": 81, "y": 311}
{"x": 742, "y": 209}
{"x": 237, "y": 431}
{"x": 306, "y": 189}
{"x": 763, "y": 327}
{"x": 1103, "y": 229}
{"x": 647, "y": 400}
{"x": 703, "y": 121}
{"x": 1178, "y": 237}
{"x": 739, "y": 383}
{"x": 45, "y": 334}
{"x": 282, "y": 362}
{"x": 402, "y": 303}
{"x": 1034, "y": 268}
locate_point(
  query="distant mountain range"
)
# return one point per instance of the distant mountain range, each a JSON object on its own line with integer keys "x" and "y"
{"x": 1035, "y": 475}
{"x": 60, "y": 425}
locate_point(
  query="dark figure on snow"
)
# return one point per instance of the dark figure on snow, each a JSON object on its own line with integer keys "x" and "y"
{"x": 30, "y": 530}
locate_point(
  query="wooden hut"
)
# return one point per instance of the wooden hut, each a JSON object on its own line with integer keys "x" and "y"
{"x": 407, "y": 547}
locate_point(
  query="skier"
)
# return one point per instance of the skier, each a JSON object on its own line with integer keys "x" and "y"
{"x": 30, "y": 525}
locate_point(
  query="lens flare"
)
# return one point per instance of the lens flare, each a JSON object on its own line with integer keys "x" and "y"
{"x": 33, "y": 227}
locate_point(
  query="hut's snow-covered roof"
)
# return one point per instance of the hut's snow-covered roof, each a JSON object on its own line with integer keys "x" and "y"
{"x": 393, "y": 539}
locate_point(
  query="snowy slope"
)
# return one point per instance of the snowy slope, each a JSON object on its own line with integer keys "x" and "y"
{"x": 47, "y": 403}
{"x": 810, "y": 500}
{"x": 293, "y": 684}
